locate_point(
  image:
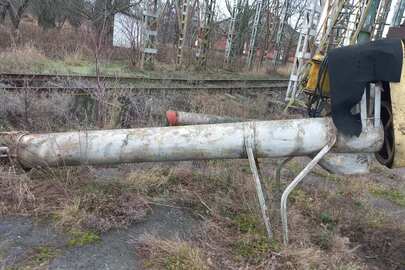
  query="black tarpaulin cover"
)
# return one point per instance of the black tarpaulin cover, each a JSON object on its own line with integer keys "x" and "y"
{"x": 351, "y": 69}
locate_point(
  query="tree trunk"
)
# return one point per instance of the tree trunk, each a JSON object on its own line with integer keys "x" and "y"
{"x": 103, "y": 22}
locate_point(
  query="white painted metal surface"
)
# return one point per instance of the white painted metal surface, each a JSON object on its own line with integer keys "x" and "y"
{"x": 296, "y": 181}
{"x": 221, "y": 141}
{"x": 259, "y": 190}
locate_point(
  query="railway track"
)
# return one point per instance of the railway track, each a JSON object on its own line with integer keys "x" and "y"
{"x": 16, "y": 79}
{"x": 88, "y": 90}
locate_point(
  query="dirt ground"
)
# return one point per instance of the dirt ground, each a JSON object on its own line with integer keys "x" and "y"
{"x": 335, "y": 223}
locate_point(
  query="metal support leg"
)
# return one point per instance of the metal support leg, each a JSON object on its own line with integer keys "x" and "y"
{"x": 275, "y": 205}
{"x": 277, "y": 175}
{"x": 377, "y": 104}
{"x": 259, "y": 191}
{"x": 363, "y": 110}
{"x": 295, "y": 182}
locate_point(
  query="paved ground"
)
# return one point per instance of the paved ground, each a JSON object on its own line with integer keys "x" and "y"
{"x": 18, "y": 236}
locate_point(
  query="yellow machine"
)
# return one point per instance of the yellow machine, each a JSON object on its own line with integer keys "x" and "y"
{"x": 313, "y": 76}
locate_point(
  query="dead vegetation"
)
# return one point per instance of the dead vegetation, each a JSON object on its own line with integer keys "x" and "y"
{"x": 72, "y": 200}
{"x": 331, "y": 228}
{"x": 31, "y": 111}
{"x": 171, "y": 254}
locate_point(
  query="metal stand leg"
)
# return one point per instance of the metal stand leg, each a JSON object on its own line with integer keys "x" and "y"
{"x": 295, "y": 182}
{"x": 275, "y": 205}
{"x": 377, "y": 104}
{"x": 259, "y": 191}
{"x": 277, "y": 175}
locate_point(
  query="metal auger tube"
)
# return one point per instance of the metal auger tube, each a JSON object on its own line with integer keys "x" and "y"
{"x": 270, "y": 139}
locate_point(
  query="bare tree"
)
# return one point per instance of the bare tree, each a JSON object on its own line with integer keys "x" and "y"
{"x": 15, "y": 10}
{"x": 51, "y": 13}
{"x": 130, "y": 31}
{"x": 102, "y": 12}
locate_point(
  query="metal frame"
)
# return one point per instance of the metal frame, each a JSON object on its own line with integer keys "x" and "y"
{"x": 149, "y": 48}
{"x": 183, "y": 8}
{"x": 204, "y": 34}
{"x": 230, "y": 40}
{"x": 370, "y": 110}
{"x": 259, "y": 189}
{"x": 302, "y": 54}
{"x": 255, "y": 30}
{"x": 280, "y": 32}
{"x": 295, "y": 182}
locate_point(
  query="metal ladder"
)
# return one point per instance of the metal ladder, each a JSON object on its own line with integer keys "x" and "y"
{"x": 303, "y": 54}
{"x": 230, "y": 40}
{"x": 255, "y": 30}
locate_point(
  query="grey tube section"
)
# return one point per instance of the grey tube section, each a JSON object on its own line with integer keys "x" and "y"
{"x": 346, "y": 163}
{"x": 178, "y": 118}
{"x": 339, "y": 163}
{"x": 221, "y": 141}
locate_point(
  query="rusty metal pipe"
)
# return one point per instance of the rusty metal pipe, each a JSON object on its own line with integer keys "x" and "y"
{"x": 281, "y": 138}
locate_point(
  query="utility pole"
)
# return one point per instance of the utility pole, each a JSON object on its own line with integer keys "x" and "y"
{"x": 398, "y": 13}
{"x": 356, "y": 9}
{"x": 370, "y": 14}
{"x": 150, "y": 24}
{"x": 183, "y": 11}
{"x": 341, "y": 28}
{"x": 204, "y": 33}
{"x": 230, "y": 40}
{"x": 303, "y": 54}
{"x": 381, "y": 20}
{"x": 255, "y": 30}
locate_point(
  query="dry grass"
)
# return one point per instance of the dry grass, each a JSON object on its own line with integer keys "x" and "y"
{"x": 171, "y": 254}
{"x": 148, "y": 181}
{"x": 102, "y": 208}
{"x": 324, "y": 226}
{"x": 60, "y": 111}
{"x": 23, "y": 59}
{"x": 15, "y": 192}
{"x": 323, "y": 223}
{"x": 76, "y": 57}
{"x": 73, "y": 201}
{"x": 71, "y": 215}
{"x": 284, "y": 70}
